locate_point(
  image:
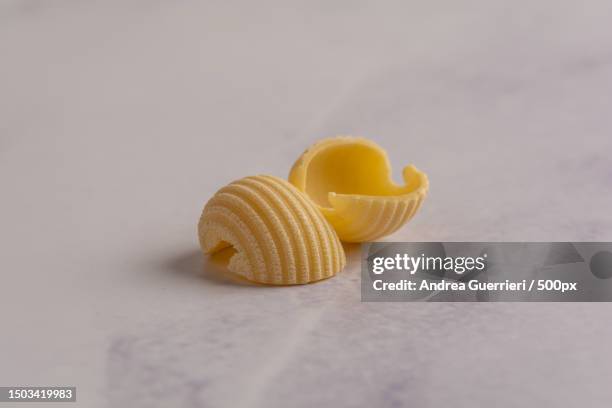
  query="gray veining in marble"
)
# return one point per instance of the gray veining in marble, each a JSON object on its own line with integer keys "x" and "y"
{"x": 119, "y": 119}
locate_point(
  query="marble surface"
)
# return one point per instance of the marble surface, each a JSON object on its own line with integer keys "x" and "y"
{"x": 119, "y": 119}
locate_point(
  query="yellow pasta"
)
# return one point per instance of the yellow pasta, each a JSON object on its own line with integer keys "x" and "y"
{"x": 278, "y": 235}
{"x": 349, "y": 179}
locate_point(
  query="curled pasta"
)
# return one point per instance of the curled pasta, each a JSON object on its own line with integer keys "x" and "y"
{"x": 279, "y": 236}
{"x": 349, "y": 179}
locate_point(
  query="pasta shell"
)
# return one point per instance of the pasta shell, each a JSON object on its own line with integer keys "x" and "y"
{"x": 349, "y": 179}
{"x": 278, "y": 234}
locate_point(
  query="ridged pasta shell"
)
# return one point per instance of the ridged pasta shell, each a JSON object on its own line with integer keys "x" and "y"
{"x": 349, "y": 179}
{"x": 279, "y": 236}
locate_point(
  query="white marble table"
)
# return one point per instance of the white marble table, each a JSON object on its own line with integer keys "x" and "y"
{"x": 119, "y": 119}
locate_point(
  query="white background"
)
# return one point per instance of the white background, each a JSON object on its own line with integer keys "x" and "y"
{"x": 119, "y": 119}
